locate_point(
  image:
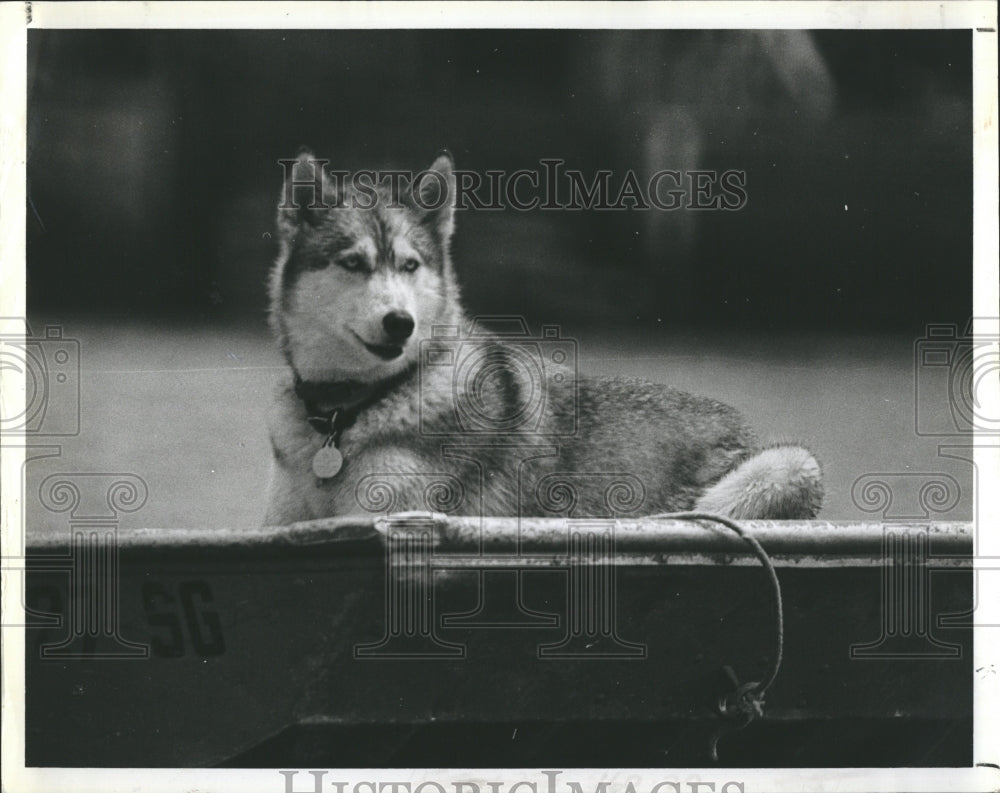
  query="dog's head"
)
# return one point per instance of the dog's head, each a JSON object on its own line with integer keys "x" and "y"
{"x": 362, "y": 273}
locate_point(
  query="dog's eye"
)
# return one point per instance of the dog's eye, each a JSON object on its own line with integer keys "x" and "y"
{"x": 411, "y": 264}
{"x": 351, "y": 261}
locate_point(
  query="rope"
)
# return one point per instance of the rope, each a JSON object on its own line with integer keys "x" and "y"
{"x": 748, "y": 702}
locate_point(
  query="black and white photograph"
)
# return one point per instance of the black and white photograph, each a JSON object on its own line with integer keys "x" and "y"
{"x": 530, "y": 396}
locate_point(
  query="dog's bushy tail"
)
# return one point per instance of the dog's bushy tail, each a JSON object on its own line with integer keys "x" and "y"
{"x": 779, "y": 483}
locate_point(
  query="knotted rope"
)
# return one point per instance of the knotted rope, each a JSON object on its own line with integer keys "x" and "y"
{"x": 746, "y": 701}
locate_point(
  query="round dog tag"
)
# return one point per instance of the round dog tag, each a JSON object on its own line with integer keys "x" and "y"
{"x": 328, "y": 462}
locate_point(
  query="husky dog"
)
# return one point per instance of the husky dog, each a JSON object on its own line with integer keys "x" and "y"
{"x": 393, "y": 400}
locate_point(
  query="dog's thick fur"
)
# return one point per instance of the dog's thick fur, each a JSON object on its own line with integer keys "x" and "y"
{"x": 341, "y": 270}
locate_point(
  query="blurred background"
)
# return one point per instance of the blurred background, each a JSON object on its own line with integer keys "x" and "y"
{"x": 153, "y": 177}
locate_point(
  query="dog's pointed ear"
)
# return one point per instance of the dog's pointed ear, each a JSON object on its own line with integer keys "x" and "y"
{"x": 433, "y": 194}
{"x": 307, "y": 193}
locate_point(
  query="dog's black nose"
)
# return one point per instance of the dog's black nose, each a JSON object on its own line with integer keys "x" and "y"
{"x": 398, "y": 325}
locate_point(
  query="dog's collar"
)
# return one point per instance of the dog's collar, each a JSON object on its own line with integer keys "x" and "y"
{"x": 333, "y": 406}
